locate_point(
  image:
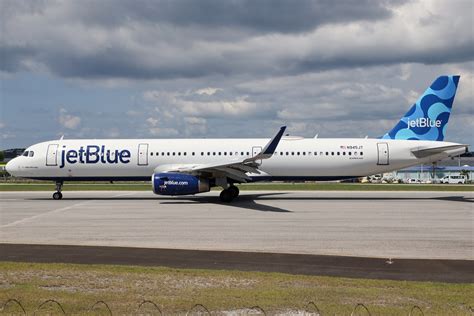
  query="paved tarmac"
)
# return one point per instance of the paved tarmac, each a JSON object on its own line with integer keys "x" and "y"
{"x": 420, "y": 225}
{"x": 453, "y": 271}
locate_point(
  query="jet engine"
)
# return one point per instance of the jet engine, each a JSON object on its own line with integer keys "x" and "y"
{"x": 178, "y": 184}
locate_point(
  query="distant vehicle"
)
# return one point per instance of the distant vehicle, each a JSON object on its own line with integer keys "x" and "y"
{"x": 376, "y": 178}
{"x": 412, "y": 181}
{"x": 459, "y": 179}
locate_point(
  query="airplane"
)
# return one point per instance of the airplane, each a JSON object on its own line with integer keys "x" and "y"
{"x": 192, "y": 166}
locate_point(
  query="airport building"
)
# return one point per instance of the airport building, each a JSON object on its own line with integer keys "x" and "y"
{"x": 462, "y": 165}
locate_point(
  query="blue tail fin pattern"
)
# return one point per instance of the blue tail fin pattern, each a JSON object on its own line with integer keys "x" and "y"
{"x": 428, "y": 117}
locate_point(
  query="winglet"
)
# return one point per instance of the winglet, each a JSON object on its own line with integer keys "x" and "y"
{"x": 269, "y": 149}
{"x": 272, "y": 145}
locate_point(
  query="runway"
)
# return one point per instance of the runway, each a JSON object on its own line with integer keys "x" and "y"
{"x": 416, "y": 225}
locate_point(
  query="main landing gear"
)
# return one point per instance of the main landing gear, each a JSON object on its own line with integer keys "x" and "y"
{"x": 58, "y": 195}
{"x": 227, "y": 195}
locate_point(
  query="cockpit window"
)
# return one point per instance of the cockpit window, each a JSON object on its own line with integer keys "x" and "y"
{"x": 25, "y": 153}
{"x": 31, "y": 154}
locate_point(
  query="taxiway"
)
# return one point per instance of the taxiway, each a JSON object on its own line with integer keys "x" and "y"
{"x": 418, "y": 225}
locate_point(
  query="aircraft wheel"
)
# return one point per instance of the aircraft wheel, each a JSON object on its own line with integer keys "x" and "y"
{"x": 234, "y": 190}
{"x": 226, "y": 196}
{"x": 57, "y": 196}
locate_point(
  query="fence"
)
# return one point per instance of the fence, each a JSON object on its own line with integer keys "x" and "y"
{"x": 148, "y": 307}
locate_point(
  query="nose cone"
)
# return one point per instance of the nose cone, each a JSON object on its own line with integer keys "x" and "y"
{"x": 11, "y": 167}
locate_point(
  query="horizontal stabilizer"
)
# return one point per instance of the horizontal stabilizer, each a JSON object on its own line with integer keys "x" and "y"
{"x": 426, "y": 152}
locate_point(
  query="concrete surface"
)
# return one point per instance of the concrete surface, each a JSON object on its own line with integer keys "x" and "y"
{"x": 374, "y": 224}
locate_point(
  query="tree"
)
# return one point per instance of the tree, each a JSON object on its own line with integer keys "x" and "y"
{"x": 465, "y": 173}
{"x": 2, "y": 155}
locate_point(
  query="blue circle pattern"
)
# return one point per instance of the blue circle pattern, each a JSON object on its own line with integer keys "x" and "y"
{"x": 435, "y": 104}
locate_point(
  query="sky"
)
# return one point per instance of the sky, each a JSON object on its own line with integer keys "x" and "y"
{"x": 215, "y": 69}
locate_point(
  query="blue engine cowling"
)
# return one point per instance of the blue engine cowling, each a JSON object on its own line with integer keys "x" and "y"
{"x": 178, "y": 184}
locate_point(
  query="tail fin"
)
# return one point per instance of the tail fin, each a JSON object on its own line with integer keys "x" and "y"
{"x": 428, "y": 117}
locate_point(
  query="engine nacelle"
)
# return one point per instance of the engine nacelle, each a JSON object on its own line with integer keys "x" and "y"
{"x": 178, "y": 184}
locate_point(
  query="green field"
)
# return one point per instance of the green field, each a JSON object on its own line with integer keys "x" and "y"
{"x": 78, "y": 287}
{"x": 258, "y": 186}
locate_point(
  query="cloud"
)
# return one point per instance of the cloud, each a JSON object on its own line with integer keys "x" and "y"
{"x": 207, "y": 91}
{"x": 163, "y": 132}
{"x": 147, "y": 40}
{"x": 195, "y": 120}
{"x": 152, "y": 121}
{"x": 68, "y": 120}
{"x": 229, "y": 69}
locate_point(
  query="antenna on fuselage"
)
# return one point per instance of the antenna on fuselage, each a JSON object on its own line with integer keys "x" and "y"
{"x": 316, "y": 136}
{"x": 62, "y": 137}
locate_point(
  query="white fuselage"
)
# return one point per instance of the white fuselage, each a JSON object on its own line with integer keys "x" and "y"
{"x": 295, "y": 158}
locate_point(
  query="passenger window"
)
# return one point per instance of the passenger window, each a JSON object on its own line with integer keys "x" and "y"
{"x": 241, "y": 153}
{"x": 338, "y": 153}
{"x": 327, "y": 153}
{"x": 168, "y": 153}
{"x": 202, "y": 153}
{"x": 214, "y": 153}
{"x": 230, "y": 153}
{"x": 219, "y": 153}
{"x": 350, "y": 153}
{"x": 332, "y": 153}
{"x": 225, "y": 153}
{"x": 298, "y": 153}
{"x": 292, "y": 153}
{"x": 304, "y": 153}
{"x": 315, "y": 153}
{"x": 151, "y": 154}
{"x": 287, "y": 153}
{"x": 361, "y": 153}
{"x": 248, "y": 154}
{"x": 32, "y": 153}
{"x": 343, "y": 153}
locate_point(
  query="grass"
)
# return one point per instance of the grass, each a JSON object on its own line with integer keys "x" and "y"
{"x": 244, "y": 187}
{"x": 78, "y": 287}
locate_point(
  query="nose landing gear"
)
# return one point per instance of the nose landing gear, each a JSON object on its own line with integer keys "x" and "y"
{"x": 227, "y": 195}
{"x": 58, "y": 195}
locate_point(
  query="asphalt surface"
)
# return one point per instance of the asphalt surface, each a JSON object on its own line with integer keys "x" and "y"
{"x": 410, "y": 225}
{"x": 453, "y": 271}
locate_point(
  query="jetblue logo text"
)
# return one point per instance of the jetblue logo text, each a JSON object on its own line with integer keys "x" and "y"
{"x": 93, "y": 154}
{"x": 424, "y": 122}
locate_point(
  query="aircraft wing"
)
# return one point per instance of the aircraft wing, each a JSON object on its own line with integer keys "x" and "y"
{"x": 425, "y": 152}
{"x": 235, "y": 169}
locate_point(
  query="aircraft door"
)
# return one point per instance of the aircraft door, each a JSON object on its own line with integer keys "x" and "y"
{"x": 383, "y": 155}
{"x": 51, "y": 155}
{"x": 255, "y": 151}
{"x": 143, "y": 154}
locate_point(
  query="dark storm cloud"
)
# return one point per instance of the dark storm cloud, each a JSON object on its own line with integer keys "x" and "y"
{"x": 12, "y": 57}
{"x": 147, "y": 39}
{"x": 457, "y": 53}
{"x": 282, "y": 16}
